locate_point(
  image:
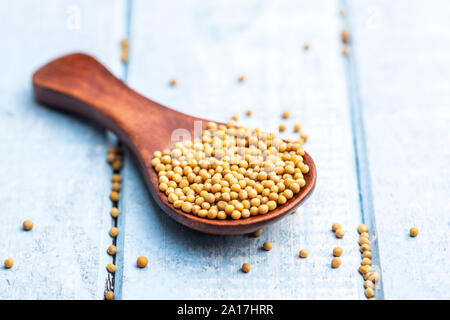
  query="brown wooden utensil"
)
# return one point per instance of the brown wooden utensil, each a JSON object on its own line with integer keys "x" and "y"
{"x": 78, "y": 83}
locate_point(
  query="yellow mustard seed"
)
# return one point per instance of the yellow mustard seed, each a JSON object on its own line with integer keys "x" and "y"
{"x": 235, "y": 117}
{"x": 367, "y": 254}
{"x": 112, "y": 250}
{"x": 141, "y": 262}
{"x": 241, "y": 78}
{"x": 364, "y": 247}
{"x": 337, "y": 251}
{"x": 306, "y": 47}
{"x": 340, "y": 233}
{"x": 345, "y": 36}
{"x": 303, "y": 253}
{"x": 114, "y": 196}
{"x": 362, "y": 228}
{"x": 114, "y": 212}
{"x": 368, "y": 284}
{"x": 249, "y": 112}
{"x": 413, "y": 232}
{"x": 335, "y": 263}
{"x": 374, "y": 277}
{"x": 245, "y": 268}
{"x": 366, "y": 262}
{"x": 364, "y": 235}
{"x": 336, "y": 226}
{"x": 111, "y": 267}
{"x": 282, "y": 127}
{"x": 116, "y": 178}
{"x": 345, "y": 50}
{"x": 117, "y": 165}
{"x": 267, "y": 245}
{"x": 364, "y": 240}
{"x": 369, "y": 292}
{"x": 109, "y": 295}
{"x": 110, "y": 158}
{"x": 173, "y": 82}
{"x": 286, "y": 115}
{"x": 27, "y": 225}
{"x": 297, "y": 127}
{"x": 113, "y": 232}
{"x": 364, "y": 269}
{"x": 9, "y": 263}
{"x": 124, "y": 50}
{"x": 116, "y": 186}
{"x": 257, "y": 233}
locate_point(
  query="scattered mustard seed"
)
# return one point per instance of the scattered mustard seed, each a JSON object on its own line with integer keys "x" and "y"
{"x": 345, "y": 36}
{"x": 282, "y": 127}
{"x": 413, "y": 232}
{"x": 364, "y": 247}
{"x": 303, "y": 253}
{"x": 297, "y": 127}
{"x": 367, "y": 254}
{"x": 241, "y": 78}
{"x": 116, "y": 186}
{"x": 340, "y": 233}
{"x": 112, "y": 250}
{"x": 374, "y": 277}
{"x": 117, "y": 165}
{"x": 306, "y": 47}
{"x": 368, "y": 284}
{"x": 109, "y": 295}
{"x": 366, "y": 262}
{"x": 116, "y": 178}
{"x": 249, "y": 112}
{"x": 9, "y": 263}
{"x": 304, "y": 137}
{"x": 114, "y": 196}
{"x": 114, "y": 212}
{"x": 337, "y": 251}
{"x": 110, "y": 158}
{"x": 235, "y": 117}
{"x": 363, "y": 228}
{"x": 257, "y": 233}
{"x": 363, "y": 240}
{"x": 345, "y": 50}
{"x": 245, "y": 268}
{"x": 113, "y": 232}
{"x": 369, "y": 292}
{"x": 364, "y": 269}
{"x": 27, "y": 225}
{"x": 142, "y": 262}
{"x": 364, "y": 235}
{"x": 173, "y": 82}
{"x": 335, "y": 263}
{"x": 267, "y": 246}
{"x": 111, "y": 267}
{"x": 336, "y": 226}
{"x": 124, "y": 50}
{"x": 286, "y": 115}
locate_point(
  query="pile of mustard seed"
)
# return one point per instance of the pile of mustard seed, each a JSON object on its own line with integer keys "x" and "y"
{"x": 231, "y": 172}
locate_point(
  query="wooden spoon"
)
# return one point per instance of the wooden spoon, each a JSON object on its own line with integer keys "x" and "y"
{"x": 78, "y": 83}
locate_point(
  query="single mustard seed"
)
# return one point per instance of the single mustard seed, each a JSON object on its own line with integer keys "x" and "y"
{"x": 142, "y": 262}
{"x": 337, "y": 251}
{"x": 369, "y": 292}
{"x": 364, "y": 247}
{"x": 336, "y": 226}
{"x": 286, "y": 115}
{"x": 116, "y": 178}
{"x": 363, "y": 228}
{"x": 241, "y": 78}
{"x": 114, "y": 212}
{"x": 113, "y": 232}
{"x": 364, "y": 240}
{"x": 364, "y": 235}
{"x": 303, "y": 253}
{"x": 114, "y": 196}
{"x": 366, "y": 262}
{"x": 345, "y": 36}
{"x": 27, "y": 225}
{"x": 282, "y": 127}
{"x": 116, "y": 186}
{"x": 340, "y": 233}
{"x": 235, "y": 117}
{"x": 111, "y": 267}
{"x": 109, "y": 295}
{"x": 364, "y": 269}
{"x": 297, "y": 127}
{"x": 345, "y": 50}
{"x": 335, "y": 263}
{"x": 249, "y": 112}
{"x": 367, "y": 254}
{"x": 304, "y": 137}
{"x": 368, "y": 284}
{"x": 117, "y": 165}
{"x": 9, "y": 263}
{"x": 245, "y": 268}
{"x": 257, "y": 233}
{"x": 173, "y": 82}
{"x": 267, "y": 246}
{"x": 110, "y": 158}
{"x": 413, "y": 232}
{"x": 306, "y": 47}
{"x": 112, "y": 250}
{"x": 374, "y": 277}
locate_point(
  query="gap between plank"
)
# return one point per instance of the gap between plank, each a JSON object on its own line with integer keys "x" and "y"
{"x": 360, "y": 148}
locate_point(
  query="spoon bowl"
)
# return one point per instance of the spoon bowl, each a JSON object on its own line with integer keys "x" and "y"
{"x": 80, "y": 84}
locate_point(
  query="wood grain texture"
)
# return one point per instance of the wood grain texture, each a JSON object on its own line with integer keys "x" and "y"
{"x": 52, "y": 166}
{"x": 206, "y": 46}
{"x": 402, "y": 49}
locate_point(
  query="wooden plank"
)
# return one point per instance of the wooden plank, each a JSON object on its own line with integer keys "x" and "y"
{"x": 206, "y": 46}
{"x": 52, "y": 165}
{"x": 402, "y": 50}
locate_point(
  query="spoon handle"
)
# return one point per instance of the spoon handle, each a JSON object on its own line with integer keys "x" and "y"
{"x": 79, "y": 83}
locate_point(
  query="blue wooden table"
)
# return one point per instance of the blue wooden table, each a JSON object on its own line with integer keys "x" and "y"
{"x": 377, "y": 122}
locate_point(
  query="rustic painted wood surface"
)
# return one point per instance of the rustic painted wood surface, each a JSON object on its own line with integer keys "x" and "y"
{"x": 52, "y": 166}
{"x": 394, "y": 87}
{"x": 402, "y": 50}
